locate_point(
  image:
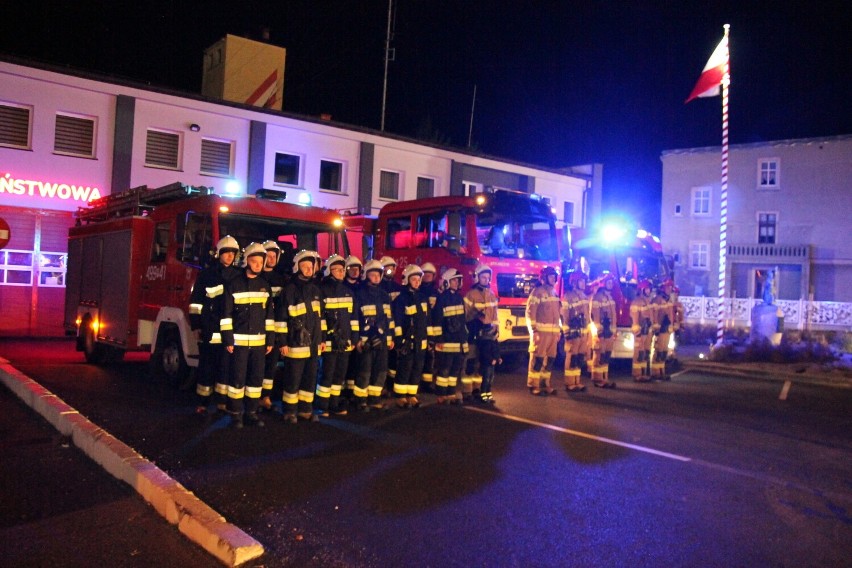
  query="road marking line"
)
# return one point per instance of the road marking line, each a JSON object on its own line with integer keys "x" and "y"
{"x": 584, "y": 435}
{"x": 784, "y": 390}
{"x": 679, "y": 373}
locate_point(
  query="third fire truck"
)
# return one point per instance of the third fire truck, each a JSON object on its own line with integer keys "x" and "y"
{"x": 133, "y": 258}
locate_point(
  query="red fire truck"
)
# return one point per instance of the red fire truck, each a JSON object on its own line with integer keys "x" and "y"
{"x": 630, "y": 255}
{"x": 133, "y": 258}
{"x": 514, "y": 233}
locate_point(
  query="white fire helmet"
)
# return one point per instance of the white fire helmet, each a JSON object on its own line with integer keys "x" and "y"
{"x": 353, "y": 260}
{"x": 372, "y": 265}
{"x": 387, "y": 261}
{"x": 227, "y": 244}
{"x": 410, "y": 270}
{"x": 449, "y": 274}
{"x": 429, "y": 267}
{"x": 331, "y": 261}
{"x": 301, "y": 256}
{"x": 480, "y": 268}
{"x": 272, "y": 245}
{"x": 254, "y": 249}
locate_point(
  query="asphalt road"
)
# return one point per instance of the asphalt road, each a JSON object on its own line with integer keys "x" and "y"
{"x": 702, "y": 470}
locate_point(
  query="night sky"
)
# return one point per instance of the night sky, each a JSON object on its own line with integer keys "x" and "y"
{"x": 559, "y": 83}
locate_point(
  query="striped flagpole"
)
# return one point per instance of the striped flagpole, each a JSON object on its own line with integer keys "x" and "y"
{"x": 723, "y": 209}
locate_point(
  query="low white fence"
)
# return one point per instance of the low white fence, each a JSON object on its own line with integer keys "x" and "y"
{"x": 798, "y": 314}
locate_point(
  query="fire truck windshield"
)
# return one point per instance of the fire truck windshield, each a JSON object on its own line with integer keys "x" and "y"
{"x": 631, "y": 265}
{"x": 509, "y": 236}
{"x": 292, "y": 235}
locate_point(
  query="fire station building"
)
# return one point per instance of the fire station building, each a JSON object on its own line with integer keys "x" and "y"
{"x": 67, "y": 138}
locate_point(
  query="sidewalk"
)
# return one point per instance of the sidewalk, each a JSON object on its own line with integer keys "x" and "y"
{"x": 837, "y": 374}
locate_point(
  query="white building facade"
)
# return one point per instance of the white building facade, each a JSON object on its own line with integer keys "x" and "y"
{"x": 789, "y": 204}
{"x": 68, "y": 138}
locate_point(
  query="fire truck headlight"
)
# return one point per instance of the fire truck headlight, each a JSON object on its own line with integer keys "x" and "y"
{"x": 627, "y": 341}
{"x": 338, "y": 222}
{"x": 641, "y": 234}
{"x": 233, "y": 187}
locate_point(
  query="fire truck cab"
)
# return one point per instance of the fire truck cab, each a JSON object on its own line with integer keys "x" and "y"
{"x": 133, "y": 258}
{"x": 512, "y": 232}
{"x": 630, "y": 255}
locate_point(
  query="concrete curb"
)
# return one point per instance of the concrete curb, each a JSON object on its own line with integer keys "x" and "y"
{"x": 765, "y": 373}
{"x": 180, "y": 507}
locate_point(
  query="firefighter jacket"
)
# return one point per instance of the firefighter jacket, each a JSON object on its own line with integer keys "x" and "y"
{"x": 663, "y": 313}
{"x": 641, "y": 315}
{"x": 448, "y": 322}
{"x": 298, "y": 324}
{"x": 480, "y": 304}
{"x": 430, "y": 290}
{"x": 392, "y": 287}
{"x": 207, "y": 300}
{"x": 247, "y": 316}
{"x": 411, "y": 319}
{"x": 603, "y": 313}
{"x": 277, "y": 282}
{"x": 340, "y": 321}
{"x": 374, "y": 316}
{"x": 543, "y": 307}
{"x": 575, "y": 314}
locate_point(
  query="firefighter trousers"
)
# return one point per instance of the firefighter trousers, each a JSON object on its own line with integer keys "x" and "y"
{"x": 246, "y": 380}
{"x": 271, "y": 385}
{"x": 334, "y": 364}
{"x": 212, "y": 373}
{"x": 372, "y": 373}
{"x": 448, "y": 370}
{"x": 408, "y": 371}
{"x": 300, "y": 382}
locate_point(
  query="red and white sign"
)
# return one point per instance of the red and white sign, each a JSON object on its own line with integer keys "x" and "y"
{"x": 5, "y": 233}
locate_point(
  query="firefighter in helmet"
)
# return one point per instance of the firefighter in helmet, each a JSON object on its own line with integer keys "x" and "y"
{"x": 354, "y": 268}
{"x": 205, "y": 315}
{"x": 377, "y": 331}
{"x": 341, "y": 330}
{"x": 299, "y": 327}
{"x": 277, "y": 281}
{"x": 480, "y": 304}
{"x": 449, "y": 333}
{"x": 603, "y": 324}
{"x": 410, "y": 314}
{"x": 393, "y": 289}
{"x": 640, "y": 325}
{"x": 429, "y": 288}
{"x": 248, "y": 332}
{"x": 575, "y": 319}
{"x": 664, "y": 318}
{"x": 542, "y": 314}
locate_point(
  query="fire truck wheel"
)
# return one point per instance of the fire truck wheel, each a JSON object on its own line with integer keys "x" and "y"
{"x": 167, "y": 361}
{"x": 94, "y": 352}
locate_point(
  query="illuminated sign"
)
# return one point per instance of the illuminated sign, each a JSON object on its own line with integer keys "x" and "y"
{"x": 47, "y": 190}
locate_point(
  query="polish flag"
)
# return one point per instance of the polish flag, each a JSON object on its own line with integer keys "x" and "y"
{"x": 711, "y": 77}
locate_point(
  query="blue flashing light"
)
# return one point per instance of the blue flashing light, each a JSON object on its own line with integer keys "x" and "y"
{"x": 232, "y": 187}
{"x": 304, "y": 198}
{"x": 612, "y": 233}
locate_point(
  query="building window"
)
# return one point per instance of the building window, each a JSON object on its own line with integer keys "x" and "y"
{"x": 216, "y": 157}
{"x": 331, "y": 175}
{"x": 766, "y": 225}
{"x": 425, "y": 187}
{"x": 678, "y": 210}
{"x": 568, "y": 212}
{"x": 389, "y": 185}
{"x": 768, "y": 173}
{"x": 162, "y": 150}
{"x": 471, "y": 188}
{"x": 701, "y": 201}
{"x": 15, "y": 126}
{"x": 52, "y": 269}
{"x": 287, "y": 168}
{"x": 699, "y": 255}
{"x": 16, "y": 267}
{"x": 74, "y": 136}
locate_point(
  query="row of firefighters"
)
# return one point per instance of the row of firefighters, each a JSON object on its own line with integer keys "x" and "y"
{"x": 337, "y": 330}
